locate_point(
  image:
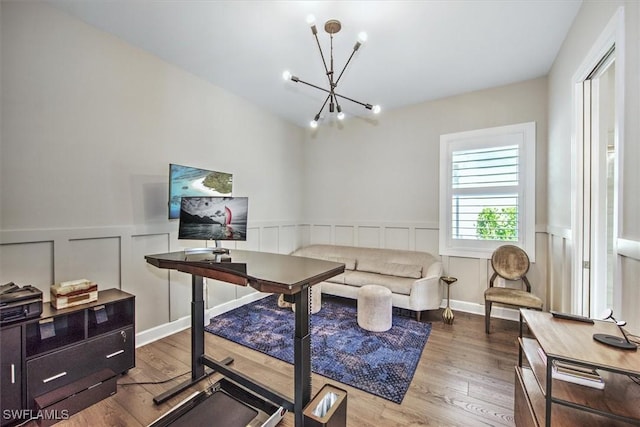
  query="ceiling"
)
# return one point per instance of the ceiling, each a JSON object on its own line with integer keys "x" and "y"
{"x": 416, "y": 50}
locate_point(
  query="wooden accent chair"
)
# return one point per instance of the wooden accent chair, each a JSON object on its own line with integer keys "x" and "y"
{"x": 511, "y": 263}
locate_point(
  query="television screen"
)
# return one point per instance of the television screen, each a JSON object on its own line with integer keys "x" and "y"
{"x": 188, "y": 181}
{"x": 213, "y": 218}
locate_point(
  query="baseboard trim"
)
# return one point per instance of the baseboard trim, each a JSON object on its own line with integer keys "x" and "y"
{"x": 475, "y": 308}
{"x": 150, "y": 335}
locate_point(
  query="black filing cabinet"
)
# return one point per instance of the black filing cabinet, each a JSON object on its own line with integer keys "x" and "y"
{"x": 67, "y": 359}
{"x": 11, "y": 372}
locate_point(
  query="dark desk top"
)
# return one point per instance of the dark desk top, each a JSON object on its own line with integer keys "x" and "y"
{"x": 266, "y": 272}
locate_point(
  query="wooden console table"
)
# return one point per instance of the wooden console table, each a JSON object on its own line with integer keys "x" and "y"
{"x": 266, "y": 272}
{"x": 541, "y": 400}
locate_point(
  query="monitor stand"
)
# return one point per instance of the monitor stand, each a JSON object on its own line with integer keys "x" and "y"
{"x": 218, "y": 249}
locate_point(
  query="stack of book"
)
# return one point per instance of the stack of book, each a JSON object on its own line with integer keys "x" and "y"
{"x": 73, "y": 292}
{"x": 572, "y": 373}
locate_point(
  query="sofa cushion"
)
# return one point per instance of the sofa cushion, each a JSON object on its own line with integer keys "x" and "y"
{"x": 349, "y": 263}
{"x": 390, "y": 268}
{"x": 328, "y": 253}
{"x": 339, "y": 279}
{"x": 397, "y": 285}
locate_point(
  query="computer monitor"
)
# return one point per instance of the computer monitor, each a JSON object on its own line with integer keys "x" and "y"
{"x": 213, "y": 218}
{"x": 190, "y": 181}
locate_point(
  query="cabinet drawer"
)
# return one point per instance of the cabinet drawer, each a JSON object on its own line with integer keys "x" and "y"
{"x": 76, "y": 397}
{"x": 115, "y": 351}
{"x": 57, "y": 369}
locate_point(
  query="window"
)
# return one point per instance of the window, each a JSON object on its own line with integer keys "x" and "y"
{"x": 487, "y": 195}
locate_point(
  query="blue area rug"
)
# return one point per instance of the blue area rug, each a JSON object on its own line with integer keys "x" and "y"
{"x": 380, "y": 363}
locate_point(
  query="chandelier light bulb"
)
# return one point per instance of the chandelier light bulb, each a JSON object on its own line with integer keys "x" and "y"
{"x": 376, "y": 109}
{"x": 362, "y": 37}
{"x": 286, "y": 75}
{"x": 313, "y": 124}
{"x": 311, "y": 20}
{"x": 340, "y": 115}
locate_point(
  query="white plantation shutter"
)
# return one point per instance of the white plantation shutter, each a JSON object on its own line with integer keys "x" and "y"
{"x": 484, "y": 179}
{"x": 487, "y": 190}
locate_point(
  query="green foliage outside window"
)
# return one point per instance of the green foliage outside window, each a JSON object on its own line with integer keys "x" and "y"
{"x": 494, "y": 224}
{"x": 219, "y": 181}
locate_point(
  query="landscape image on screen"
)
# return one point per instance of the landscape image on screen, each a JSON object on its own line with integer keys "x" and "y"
{"x": 213, "y": 218}
{"x": 189, "y": 181}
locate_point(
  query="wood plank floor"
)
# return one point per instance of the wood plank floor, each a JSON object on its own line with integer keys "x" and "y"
{"x": 464, "y": 378}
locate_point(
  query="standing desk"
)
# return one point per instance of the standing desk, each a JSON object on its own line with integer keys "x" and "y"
{"x": 265, "y": 272}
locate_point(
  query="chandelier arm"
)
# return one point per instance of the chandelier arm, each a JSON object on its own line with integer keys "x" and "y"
{"x": 312, "y": 85}
{"x": 322, "y": 108}
{"x": 353, "y": 52}
{"x": 324, "y": 62}
{"x": 367, "y": 106}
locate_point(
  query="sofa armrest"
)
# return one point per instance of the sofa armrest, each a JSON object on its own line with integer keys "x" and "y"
{"x": 434, "y": 270}
{"x": 426, "y": 293}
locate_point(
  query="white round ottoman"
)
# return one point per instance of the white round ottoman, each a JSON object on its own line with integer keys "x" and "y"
{"x": 374, "y": 308}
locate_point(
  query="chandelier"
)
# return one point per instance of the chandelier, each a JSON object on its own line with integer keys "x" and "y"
{"x": 332, "y": 27}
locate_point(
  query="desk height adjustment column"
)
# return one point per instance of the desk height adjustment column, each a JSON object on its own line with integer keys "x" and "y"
{"x": 302, "y": 355}
{"x": 198, "y": 371}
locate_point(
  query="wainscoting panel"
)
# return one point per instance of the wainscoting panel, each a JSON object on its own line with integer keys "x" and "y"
{"x": 321, "y": 234}
{"x": 150, "y": 285}
{"x": 537, "y": 274}
{"x": 629, "y": 262}
{"x": 630, "y": 271}
{"x": 218, "y": 293}
{"x": 345, "y": 235}
{"x": 369, "y": 236}
{"x": 29, "y": 263}
{"x": 472, "y": 279}
{"x": 304, "y": 235}
{"x": 253, "y": 243}
{"x": 114, "y": 257}
{"x": 397, "y": 238}
{"x": 288, "y": 239}
{"x": 269, "y": 239}
{"x": 427, "y": 240}
{"x": 82, "y": 256}
{"x": 559, "y": 272}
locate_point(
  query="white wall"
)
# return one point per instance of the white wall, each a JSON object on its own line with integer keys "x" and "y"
{"x": 89, "y": 127}
{"x": 90, "y": 124}
{"x": 590, "y": 22}
{"x": 376, "y": 183}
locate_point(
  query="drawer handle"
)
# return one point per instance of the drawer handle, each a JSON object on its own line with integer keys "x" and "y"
{"x": 109, "y": 356}
{"x": 13, "y": 373}
{"x": 55, "y": 377}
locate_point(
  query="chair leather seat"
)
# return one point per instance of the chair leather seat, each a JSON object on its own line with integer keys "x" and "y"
{"x": 512, "y": 297}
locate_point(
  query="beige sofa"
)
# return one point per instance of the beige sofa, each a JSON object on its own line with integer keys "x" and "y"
{"x": 412, "y": 277}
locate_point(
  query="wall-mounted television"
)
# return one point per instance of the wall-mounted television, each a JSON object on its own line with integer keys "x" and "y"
{"x": 190, "y": 181}
{"x": 213, "y": 218}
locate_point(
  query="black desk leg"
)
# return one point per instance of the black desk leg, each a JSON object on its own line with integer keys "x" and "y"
{"x": 197, "y": 343}
{"x": 302, "y": 356}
